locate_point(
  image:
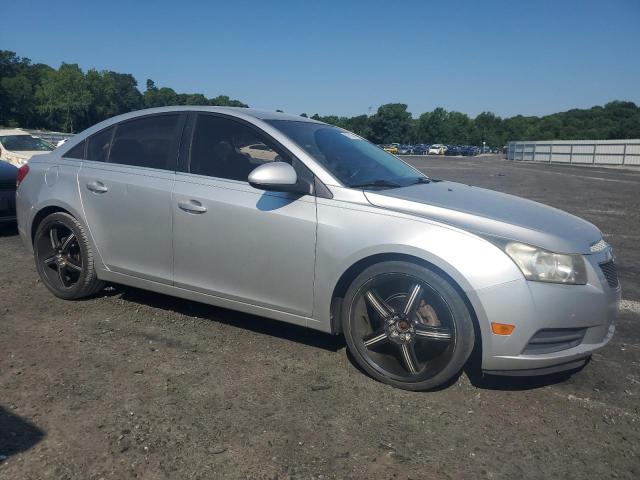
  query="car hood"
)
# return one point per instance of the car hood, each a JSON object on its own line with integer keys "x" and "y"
{"x": 487, "y": 212}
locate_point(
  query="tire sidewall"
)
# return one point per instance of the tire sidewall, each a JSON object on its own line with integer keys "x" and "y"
{"x": 465, "y": 335}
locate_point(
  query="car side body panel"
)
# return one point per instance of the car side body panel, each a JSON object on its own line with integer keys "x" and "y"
{"x": 244, "y": 244}
{"x": 130, "y": 221}
{"x": 52, "y": 182}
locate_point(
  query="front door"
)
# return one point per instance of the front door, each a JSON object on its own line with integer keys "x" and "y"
{"x": 232, "y": 240}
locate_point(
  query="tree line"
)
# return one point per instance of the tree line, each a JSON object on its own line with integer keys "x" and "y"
{"x": 393, "y": 123}
{"x": 68, "y": 99}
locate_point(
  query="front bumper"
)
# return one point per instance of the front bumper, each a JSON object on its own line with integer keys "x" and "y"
{"x": 590, "y": 309}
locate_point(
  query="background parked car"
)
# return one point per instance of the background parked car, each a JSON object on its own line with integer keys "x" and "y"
{"x": 437, "y": 149}
{"x": 18, "y": 146}
{"x": 391, "y": 149}
{"x": 421, "y": 149}
{"x": 8, "y": 175}
{"x": 470, "y": 150}
{"x": 453, "y": 150}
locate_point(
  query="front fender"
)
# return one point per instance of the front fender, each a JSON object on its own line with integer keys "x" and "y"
{"x": 349, "y": 234}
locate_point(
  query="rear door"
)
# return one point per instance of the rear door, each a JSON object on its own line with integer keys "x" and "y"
{"x": 235, "y": 241}
{"x": 126, "y": 183}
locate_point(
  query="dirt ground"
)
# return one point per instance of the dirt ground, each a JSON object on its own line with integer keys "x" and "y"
{"x": 131, "y": 384}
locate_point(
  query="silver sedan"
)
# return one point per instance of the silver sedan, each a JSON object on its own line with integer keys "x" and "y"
{"x": 303, "y": 222}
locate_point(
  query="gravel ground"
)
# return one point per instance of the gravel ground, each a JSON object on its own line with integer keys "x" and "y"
{"x": 131, "y": 384}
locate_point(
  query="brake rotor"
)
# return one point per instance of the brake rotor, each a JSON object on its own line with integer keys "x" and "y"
{"x": 427, "y": 315}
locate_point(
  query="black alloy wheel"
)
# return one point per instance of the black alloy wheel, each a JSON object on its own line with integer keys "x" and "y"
{"x": 407, "y": 326}
{"x": 64, "y": 259}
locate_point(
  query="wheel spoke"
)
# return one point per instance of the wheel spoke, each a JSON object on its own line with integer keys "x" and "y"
{"x": 72, "y": 265}
{"x": 379, "y": 305}
{"x": 50, "y": 260}
{"x": 375, "y": 339}
{"x": 62, "y": 276}
{"x": 53, "y": 236}
{"x": 427, "y": 332}
{"x": 412, "y": 300}
{"x": 409, "y": 360}
{"x": 67, "y": 242}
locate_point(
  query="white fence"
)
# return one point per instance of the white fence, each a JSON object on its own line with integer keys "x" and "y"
{"x": 580, "y": 152}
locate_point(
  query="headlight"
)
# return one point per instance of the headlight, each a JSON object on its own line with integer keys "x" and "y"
{"x": 543, "y": 266}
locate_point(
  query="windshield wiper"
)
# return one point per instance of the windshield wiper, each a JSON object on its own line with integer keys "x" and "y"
{"x": 376, "y": 183}
{"x": 420, "y": 180}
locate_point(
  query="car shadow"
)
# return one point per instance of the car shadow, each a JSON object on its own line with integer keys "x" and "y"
{"x": 233, "y": 318}
{"x": 483, "y": 381}
{"x": 317, "y": 339}
{"x": 16, "y": 434}
{"x": 513, "y": 383}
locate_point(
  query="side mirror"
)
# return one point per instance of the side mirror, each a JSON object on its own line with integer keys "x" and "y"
{"x": 276, "y": 176}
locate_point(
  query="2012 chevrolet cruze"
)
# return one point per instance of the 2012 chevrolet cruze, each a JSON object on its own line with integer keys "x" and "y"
{"x": 303, "y": 222}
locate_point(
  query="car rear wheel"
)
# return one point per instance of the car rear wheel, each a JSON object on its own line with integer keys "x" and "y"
{"x": 407, "y": 326}
{"x": 64, "y": 259}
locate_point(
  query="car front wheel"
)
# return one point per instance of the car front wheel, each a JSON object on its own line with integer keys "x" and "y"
{"x": 407, "y": 326}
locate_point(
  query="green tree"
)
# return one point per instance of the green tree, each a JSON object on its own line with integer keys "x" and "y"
{"x": 433, "y": 127}
{"x": 487, "y": 127}
{"x": 64, "y": 98}
{"x": 391, "y": 123}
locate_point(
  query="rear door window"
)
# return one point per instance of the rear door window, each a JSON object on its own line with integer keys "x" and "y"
{"x": 147, "y": 142}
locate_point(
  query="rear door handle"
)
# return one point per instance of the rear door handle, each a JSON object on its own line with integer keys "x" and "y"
{"x": 192, "y": 206}
{"x": 97, "y": 187}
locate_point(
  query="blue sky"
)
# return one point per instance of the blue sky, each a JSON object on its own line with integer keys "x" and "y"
{"x": 342, "y": 57}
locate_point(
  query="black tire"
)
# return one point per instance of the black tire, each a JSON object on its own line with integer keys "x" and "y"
{"x": 416, "y": 350}
{"x": 68, "y": 273}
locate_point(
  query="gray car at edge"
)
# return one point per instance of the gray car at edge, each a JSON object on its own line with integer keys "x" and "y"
{"x": 299, "y": 221}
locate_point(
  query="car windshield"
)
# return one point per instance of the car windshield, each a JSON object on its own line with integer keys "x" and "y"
{"x": 24, "y": 143}
{"x": 351, "y": 159}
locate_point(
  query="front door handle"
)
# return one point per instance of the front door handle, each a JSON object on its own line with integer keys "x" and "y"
{"x": 97, "y": 187}
{"x": 192, "y": 206}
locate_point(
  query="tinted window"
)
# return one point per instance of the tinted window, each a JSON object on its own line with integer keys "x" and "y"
{"x": 351, "y": 159}
{"x": 76, "y": 152}
{"x": 99, "y": 144}
{"x": 146, "y": 142}
{"x": 225, "y": 148}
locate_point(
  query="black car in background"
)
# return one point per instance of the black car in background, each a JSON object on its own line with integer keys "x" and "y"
{"x": 420, "y": 149}
{"x": 469, "y": 150}
{"x": 8, "y": 175}
{"x": 453, "y": 150}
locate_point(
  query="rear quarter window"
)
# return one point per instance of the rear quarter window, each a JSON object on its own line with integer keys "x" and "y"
{"x": 77, "y": 151}
{"x": 99, "y": 145}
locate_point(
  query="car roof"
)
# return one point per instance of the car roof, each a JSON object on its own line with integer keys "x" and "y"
{"x": 236, "y": 111}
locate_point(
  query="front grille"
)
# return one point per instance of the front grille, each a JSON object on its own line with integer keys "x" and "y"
{"x": 610, "y": 272}
{"x": 551, "y": 340}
